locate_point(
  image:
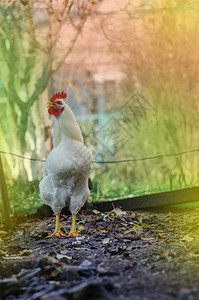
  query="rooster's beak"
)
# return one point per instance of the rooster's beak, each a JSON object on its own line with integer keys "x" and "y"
{"x": 50, "y": 104}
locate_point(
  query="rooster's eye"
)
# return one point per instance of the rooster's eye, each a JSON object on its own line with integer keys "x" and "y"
{"x": 59, "y": 102}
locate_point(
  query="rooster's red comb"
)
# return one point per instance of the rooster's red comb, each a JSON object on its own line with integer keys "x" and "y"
{"x": 59, "y": 95}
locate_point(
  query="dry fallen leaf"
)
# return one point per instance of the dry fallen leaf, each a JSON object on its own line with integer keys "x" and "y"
{"x": 139, "y": 217}
{"x": 96, "y": 212}
{"x": 106, "y": 241}
{"x": 3, "y": 232}
{"x": 136, "y": 228}
{"x": 192, "y": 255}
{"x": 101, "y": 231}
{"x": 144, "y": 225}
{"x": 161, "y": 238}
{"x": 25, "y": 252}
{"x": 119, "y": 212}
{"x": 66, "y": 257}
{"x": 80, "y": 227}
{"x": 163, "y": 254}
{"x": 187, "y": 238}
{"x": 132, "y": 215}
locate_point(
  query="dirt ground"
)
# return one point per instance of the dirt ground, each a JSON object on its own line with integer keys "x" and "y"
{"x": 119, "y": 255}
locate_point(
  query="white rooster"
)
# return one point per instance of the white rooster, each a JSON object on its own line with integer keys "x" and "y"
{"x": 68, "y": 165}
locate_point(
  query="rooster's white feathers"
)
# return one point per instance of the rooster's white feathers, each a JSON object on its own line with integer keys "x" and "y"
{"x": 67, "y": 168}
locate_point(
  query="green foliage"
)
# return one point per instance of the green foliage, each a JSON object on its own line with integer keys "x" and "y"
{"x": 24, "y": 197}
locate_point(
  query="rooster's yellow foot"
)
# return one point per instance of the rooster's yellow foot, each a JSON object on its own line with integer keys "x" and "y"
{"x": 73, "y": 233}
{"x": 57, "y": 233}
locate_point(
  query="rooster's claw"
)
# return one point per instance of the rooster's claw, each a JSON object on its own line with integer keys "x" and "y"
{"x": 73, "y": 233}
{"x": 57, "y": 233}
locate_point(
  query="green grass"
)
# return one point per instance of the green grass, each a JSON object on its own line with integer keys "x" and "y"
{"x": 24, "y": 197}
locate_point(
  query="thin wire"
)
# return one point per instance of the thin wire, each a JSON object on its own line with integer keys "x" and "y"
{"x": 114, "y": 161}
{"x": 20, "y": 156}
{"x": 147, "y": 10}
{"x": 119, "y": 197}
{"x": 147, "y": 158}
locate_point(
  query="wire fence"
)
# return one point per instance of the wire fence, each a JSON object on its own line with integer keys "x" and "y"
{"x": 121, "y": 196}
{"x": 112, "y": 161}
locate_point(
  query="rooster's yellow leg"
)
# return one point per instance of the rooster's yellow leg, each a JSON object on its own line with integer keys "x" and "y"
{"x": 73, "y": 231}
{"x": 57, "y": 231}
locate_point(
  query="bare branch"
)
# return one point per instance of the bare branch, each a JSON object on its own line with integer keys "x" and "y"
{"x": 78, "y": 29}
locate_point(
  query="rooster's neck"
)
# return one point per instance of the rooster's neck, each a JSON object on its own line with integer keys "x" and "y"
{"x": 68, "y": 125}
